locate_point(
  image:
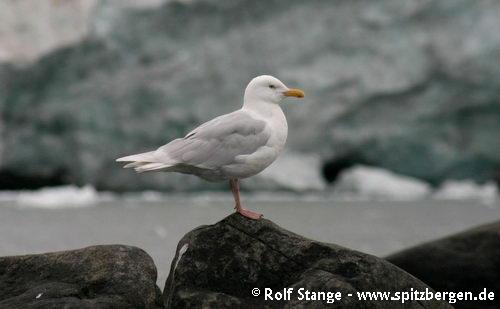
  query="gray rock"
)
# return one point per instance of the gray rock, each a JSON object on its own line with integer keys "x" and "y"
{"x": 468, "y": 261}
{"x": 112, "y": 276}
{"x": 404, "y": 85}
{"x": 217, "y": 266}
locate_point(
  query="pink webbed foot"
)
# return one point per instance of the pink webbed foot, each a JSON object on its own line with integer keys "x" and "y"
{"x": 235, "y": 187}
{"x": 249, "y": 214}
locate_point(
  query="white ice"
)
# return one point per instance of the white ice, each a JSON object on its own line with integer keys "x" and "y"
{"x": 54, "y": 197}
{"x": 467, "y": 190}
{"x": 365, "y": 182}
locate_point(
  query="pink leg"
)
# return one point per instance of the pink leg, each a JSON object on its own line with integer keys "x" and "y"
{"x": 235, "y": 187}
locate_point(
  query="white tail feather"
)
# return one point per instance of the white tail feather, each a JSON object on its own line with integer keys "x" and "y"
{"x": 141, "y": 157}
{"x": 151, "y": 167}
{"x": 135, "y": 164}
{"x": 144, "y": 162}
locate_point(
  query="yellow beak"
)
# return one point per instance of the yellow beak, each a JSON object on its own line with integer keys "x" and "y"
{"x": 294, "y": 93}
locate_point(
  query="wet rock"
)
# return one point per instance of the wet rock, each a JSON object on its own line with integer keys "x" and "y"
{"x": 468, "y": 261}
{"x": 112, "y": 276}
{"x": 219, "y": 265}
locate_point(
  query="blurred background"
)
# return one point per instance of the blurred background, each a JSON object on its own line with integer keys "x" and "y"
{"x": 397, "y": 141}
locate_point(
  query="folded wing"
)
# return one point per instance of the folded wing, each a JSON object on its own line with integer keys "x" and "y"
{"x": 210, "y": 146}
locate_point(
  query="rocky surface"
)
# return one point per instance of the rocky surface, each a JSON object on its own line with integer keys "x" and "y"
{"x": 113, "y": 276}
{"x": 404, "y": 85}
{"x": 469, "y": 261}
{"x": 219, "y": 265}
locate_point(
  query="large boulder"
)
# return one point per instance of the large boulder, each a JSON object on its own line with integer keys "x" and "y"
{"x": 217, "y": 266}
{"x": 468, "y": 261}
{"x": 112, "y": 276}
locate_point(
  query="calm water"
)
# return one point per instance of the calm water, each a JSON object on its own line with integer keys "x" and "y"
{"x": 378, "y": 228}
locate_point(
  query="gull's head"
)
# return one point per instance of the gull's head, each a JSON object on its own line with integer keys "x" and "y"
{"x": 269, "y": 89}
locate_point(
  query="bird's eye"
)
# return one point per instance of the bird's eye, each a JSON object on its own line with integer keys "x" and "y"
{"x": 272, "y": 86}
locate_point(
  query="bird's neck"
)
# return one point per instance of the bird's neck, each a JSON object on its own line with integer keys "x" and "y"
{"x": 262, "y": 108}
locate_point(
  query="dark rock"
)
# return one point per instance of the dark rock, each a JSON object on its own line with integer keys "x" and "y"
{"x": 469, "y": 261}
{"x": 112, "y": 276}
{"x": 219, "y": 265}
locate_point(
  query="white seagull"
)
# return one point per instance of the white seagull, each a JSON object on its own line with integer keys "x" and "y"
{"x": 232, "y": 146}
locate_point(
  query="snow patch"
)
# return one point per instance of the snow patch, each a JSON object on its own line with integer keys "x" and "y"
{"x": 365, "y": 182}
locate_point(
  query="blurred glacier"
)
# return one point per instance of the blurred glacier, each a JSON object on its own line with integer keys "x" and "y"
{"x": 409, "y": 86}
{"x": 31, "y": 28}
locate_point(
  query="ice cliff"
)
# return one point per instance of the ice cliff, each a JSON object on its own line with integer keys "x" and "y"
{"x": 410, "y": 86}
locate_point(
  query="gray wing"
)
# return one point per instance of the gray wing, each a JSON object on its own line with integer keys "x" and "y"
{"x": 217, "y": 142}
